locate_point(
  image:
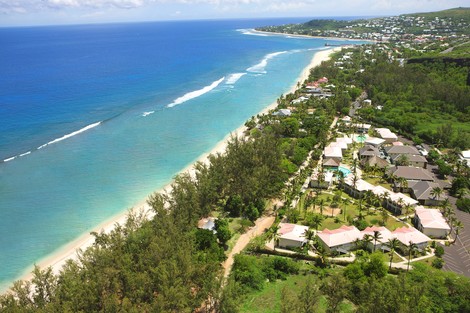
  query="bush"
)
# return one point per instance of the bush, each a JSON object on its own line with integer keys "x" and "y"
{"x": 438, "y": 263}
{"x": 439, "y": 251}
{"x": 463, "y": 204}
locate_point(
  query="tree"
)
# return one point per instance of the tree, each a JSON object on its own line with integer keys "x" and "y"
{"x": 315, "y": 220}
{"x": 309, "y": 296}
{"x": 457, "y": 227}
{"x": 335, "y": 289}
{"x": 436, "y": 192}
{"x": 376, "y": 237}
{"x": 412, "y": 247}
{"x": 222, "y": 230}
{"x": 375, "y": 266}
{"x": 366, "y": 240}
{"x": 393, "y": 244}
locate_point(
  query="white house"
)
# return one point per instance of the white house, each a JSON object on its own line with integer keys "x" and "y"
{"x": 333, "y": 152}
{"x": 431, "y": 222}
{"x": 407, "y": 235}
{"x": 374, "y": 141}
{"x": 387, "y": 135}
{"x": 291, "y": 235}
{"x": 341, "y": 239}
{"x": 385, "y": 235}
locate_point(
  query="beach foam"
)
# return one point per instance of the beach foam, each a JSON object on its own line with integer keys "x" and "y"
{"x": 84, "y": 129}
{"x": 251, "y": 32}
{"x": 233, "y": 78}
{"x": 196, "y": 93}
{"x": 261, "y": 66}
{"x": 147, "y": 113}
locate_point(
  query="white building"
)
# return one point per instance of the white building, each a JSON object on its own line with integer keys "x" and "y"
{"x": 341, "y": 239}
{"x": 291, "y": 235}
{"x": 431, "y": 222}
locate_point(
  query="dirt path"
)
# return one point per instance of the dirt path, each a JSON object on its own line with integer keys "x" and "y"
{"x": 261, "y": 225}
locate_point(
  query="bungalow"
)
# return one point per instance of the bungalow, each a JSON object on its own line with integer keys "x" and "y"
{"x": 397, "y": 201}
{"x": 411, "y": 173}
{"x": 346, "y": 120}
{"x": 412, "y": 160}
{"x": 431, "y": 222}
{"x": 291, "y": 235}
{"x": 422, "y": 191}
{"x": 283, "y": 112}
{"x": 368, "y": 151}
{"x": 356, "y": 189}
{"x": 407, "y": 235}
{"x": 367, "y": 102}
{"x": 374, "y": 141}
{"x": 321, "y": 180}
{"x": 207, "y": 223}
{"x": 386, "y": 135}
{"x": 394, "y": 151}
{"x": 362, "y": 128}
{"x": 385, "y": 235}
{"x": 375, "y": 161}
{"x": 340, "y": 240}
{"x": 331, "y": 162}
{"x": 333, "y": 152}
{"x": 341, "y": 144}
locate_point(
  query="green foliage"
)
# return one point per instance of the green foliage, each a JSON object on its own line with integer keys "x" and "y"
{"x": 463, "y": 204}
{"x": 222, "y": 230}
{"x": 439, "y": 251}
{"x": 438, "y": 263}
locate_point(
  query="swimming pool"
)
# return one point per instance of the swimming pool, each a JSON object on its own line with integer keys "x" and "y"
{"x": 342, "y": 169}
{"x": 360, "y": 138}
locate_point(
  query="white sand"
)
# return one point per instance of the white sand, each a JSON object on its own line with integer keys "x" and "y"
{"x": 58, "y": 259}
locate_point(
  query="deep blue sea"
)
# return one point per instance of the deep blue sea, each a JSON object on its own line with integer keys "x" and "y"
{"x": 93, "y": 118}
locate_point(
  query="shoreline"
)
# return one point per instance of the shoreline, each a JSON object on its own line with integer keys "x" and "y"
{"x": 315, "y": 37}
{"x": 57, "y": 259}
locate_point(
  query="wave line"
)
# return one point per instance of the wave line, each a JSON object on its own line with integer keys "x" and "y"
{"x": 196, "y": 93}
{"x": 84, "y": 129}
{"x": 260, "y": 67}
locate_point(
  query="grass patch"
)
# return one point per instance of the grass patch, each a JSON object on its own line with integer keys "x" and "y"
{"x": 269, "y": 299}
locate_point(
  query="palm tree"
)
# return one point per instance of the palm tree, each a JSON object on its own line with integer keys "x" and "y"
{"x": 457, "y": 226}
{"x": 393, "y": 245}
{"x": 322, "y": 202}
{"x": 403, "y": 183}
{"x": 412, "y": 247}
{"x": 377, "y": 236}
{"x": 384, "y": 215}
{"x": 316, "y": 221}
{"x": 436, "y": 192}
{"x": 366, "y": 240}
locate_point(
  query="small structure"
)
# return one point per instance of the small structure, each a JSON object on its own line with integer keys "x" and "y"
{"x": 291, "y": 235}
{"x": 431, "y": 222}
{"x": 332, "y": 163}
{"x": 394, "y": 151}
{"x": 385, "y": 235}
{"x": 333, "y": 152}
{"x": 367, "y": 102}
{"x": 412, "y": 160}
{"x": 321, "y": 180}
{"x": 340, "y": 240}
{"x": 411, "y": 173}
{"x": 340, "y": 144}
{"x": 362, "y": 128}
{"x": 422, "y": 191}
{"x": 386, "y": 135}
{"x": 283, "y": 112}
{"x": 410, "y": 234}
{"x": 207, "y": 223}
{"x": 368, "y": 151}
{"x": 465, "y": 157}
{"x": 374, "y": 141}
{"x": 375, "y": 161}
{"x": 346, "y": 120}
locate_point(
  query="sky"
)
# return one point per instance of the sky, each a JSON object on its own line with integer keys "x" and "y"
{"x": 52, "y": 12}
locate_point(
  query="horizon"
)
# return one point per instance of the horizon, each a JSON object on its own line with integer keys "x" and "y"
{"x": 26, "y": 13}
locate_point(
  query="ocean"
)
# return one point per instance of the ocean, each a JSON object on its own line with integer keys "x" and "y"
{"x": 94, "y": 118}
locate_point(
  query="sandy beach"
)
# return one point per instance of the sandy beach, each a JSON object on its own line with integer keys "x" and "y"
{"x": 69, "y": 251}
{"x": 308, "y": 36}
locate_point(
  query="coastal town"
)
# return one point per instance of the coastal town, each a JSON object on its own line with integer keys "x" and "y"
{"x": 350, "y": 193}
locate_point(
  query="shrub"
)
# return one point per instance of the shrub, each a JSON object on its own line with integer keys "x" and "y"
{"x": 438, "y": 263}
{"x": 463, "y": 204}
{"x": 439, "y": 251}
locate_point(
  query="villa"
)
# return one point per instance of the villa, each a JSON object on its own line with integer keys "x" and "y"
{"x": 333, "y": 152}
{"x": 340, "y": 240}
{"x": 423, "y": 192}
{"x": 374, "y": 141}
{"x": 395, "y": 151}
{"x": 411, "y": 173}
{"x": 386, "y": 135}
{"x": 283, "y": 112}
{"x": 412, "y": 160}
{"x": 385, "y": 235}
{"x": 431, "y": 222}
{"x": 321, "y": 181}
{"x": 407, "y": 235}
{"x": 291, "y": 235}
{"x": 368, "y": 151}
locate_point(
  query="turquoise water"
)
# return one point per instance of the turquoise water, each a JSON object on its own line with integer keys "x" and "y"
{"x": 344, "y": 170}
{"x": 98, "y": 117}
{"x": 360, "y": 138}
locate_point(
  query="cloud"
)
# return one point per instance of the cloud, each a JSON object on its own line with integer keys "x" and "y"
{"x": 26, "y": 6}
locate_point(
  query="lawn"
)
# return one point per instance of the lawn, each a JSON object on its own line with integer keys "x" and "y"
{"x": 269, "y": 299}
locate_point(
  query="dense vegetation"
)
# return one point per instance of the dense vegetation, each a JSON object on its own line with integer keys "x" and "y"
{"x": 429, "y": 100}
{"x": 363, "y": 286}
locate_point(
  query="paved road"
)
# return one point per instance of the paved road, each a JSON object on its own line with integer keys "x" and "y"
{"x": 457, "y": 256}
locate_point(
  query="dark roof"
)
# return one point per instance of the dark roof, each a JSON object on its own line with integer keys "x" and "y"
{"x": 402, "y": 150}
{"x": 412, "y": 158}
{"x": 369, "y": 150}
{"x": 375, "y": 160}
{"x": 411, "y": 173}
{"x": 331, "y": 162}
{"x": 422, "y": 189}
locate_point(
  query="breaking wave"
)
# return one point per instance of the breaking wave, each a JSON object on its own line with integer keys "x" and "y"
{"x": 196, "y": 93}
